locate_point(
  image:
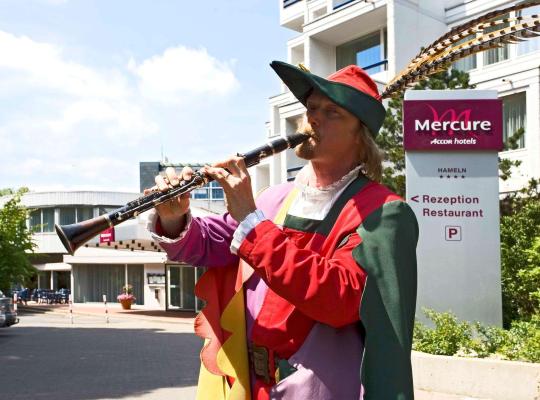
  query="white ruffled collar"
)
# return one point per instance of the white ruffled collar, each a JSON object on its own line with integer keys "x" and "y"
{"x": 301, "y": 182}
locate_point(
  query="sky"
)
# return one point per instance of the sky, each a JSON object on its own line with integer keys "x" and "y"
{"x": 89, "y": 88}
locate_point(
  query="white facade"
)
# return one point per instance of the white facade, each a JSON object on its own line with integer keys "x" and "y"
{"x": 397, "y": 29}
{"x": 103, "y": 268}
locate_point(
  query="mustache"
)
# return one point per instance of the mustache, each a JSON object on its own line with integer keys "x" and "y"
{"x": 306, "y": 129}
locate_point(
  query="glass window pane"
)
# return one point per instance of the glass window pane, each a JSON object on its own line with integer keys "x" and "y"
{"x": 500, "y": 53}
{"x": 533, "y": 44}
{"x": 174, "y": 286}
{"x": 363, "y": 52}
{"x": 200, "y": 304}
{"x": 201, "y": 193}
{"x": 217, "y": 193}
{"x": 106, "y": 210}
{"x": 92, "y": 281}
{"x": 35, "y": 221}
{"x": 67, "y": 215}
{"x": 48, "y": 220}
{"x": 135, "y": 279}
{"x": 84, "y": 213}
{"x": 341, "y": 3}
{"x": 514, "y": 116}
{"x": 188, "y": 285}
{"x": 467, "y": 63}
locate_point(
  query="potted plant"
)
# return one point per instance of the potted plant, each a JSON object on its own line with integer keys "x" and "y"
{"x": 126, "y": 298}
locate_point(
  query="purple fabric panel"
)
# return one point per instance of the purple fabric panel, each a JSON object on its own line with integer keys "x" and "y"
{"x": 271, "y": 199}
{"x": 206, "y": 243}
{"x": 256, "y": 290}
{"x": 328, "y": 366}
{"x": 269, "y": 202}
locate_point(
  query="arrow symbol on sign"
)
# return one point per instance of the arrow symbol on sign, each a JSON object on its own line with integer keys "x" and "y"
{"x": 415, "y": 198}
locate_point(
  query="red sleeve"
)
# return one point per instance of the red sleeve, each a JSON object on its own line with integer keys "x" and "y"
{"x": 325, "y": 289}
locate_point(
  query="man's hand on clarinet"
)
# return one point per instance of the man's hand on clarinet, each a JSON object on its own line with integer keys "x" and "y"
{"x": 172, "y": 213}
{"x": 233, "y": 176}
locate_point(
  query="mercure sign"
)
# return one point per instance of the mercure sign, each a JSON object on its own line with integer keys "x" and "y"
{"x": 451, "y": 141}
{"x": 453, "y": 125}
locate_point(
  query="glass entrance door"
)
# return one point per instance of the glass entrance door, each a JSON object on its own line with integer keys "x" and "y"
{"x": 181, "y": 287}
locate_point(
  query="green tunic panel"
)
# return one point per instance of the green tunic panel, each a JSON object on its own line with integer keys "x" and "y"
{"x": 388, "y": 254}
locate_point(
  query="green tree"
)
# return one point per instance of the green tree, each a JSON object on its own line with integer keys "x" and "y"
{"x": 8, "y": 191}
{"x": 520, "y": 255}
{"x": 16, "y": 243}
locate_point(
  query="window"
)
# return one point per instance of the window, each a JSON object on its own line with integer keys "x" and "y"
{"x": 498, "y": 54}
{"x": 341, "y": 3}
{"x": 529, "y": 45}
{"x": 212, "y": 191}
{"x": 467, "y": 63}
{"x": 48, "y": 219}
{"x": 368, "y": 52}
{"x": 514, "y": 116}
{"x": 67, "y": 215}
{"x": 84, "y": 213}
{"x": 42, "y": 220}
{"x": 106, "y": 210}
{"x": 200, "y": 193}
{"x": 287, "y": 3}
{"x": 35, "y": 221}
{"x": 217, "y": 191}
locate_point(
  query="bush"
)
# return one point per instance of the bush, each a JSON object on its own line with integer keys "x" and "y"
{"x": 523, "y": 341}
{"x": 520, "y": 262}
{"x": 447, "y": 338}
{"x": 451, "y": 337}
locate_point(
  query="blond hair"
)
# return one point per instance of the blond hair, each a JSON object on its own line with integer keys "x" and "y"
{"x": 371, "y": 157}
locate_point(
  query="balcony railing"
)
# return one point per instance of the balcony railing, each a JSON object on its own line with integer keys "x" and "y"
{"x": 384, "y": 63}
{"x": 287, "y": 3}
{"x": 342, "y": 3}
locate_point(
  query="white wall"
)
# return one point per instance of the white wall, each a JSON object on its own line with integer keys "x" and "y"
{"x": 409, "y": 28}
{"x": 150, "y": 301}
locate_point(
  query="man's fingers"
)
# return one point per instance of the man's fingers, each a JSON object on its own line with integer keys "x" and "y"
{"x": 161, "y": 183}
{"x": 172, "y": 177}
{"x": 219, "y": 174}
{"x": 235, "y": 165}
{"x": 186, "y": 173}
{"x": 241, "y": 164}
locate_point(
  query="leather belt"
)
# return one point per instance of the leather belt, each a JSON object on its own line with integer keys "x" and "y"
{"x": 267, "y": 365}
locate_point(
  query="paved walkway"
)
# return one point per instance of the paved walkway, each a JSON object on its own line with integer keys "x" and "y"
{"x": 139, "y": 312}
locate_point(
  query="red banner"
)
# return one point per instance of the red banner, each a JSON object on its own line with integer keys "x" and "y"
{"x": 107, "y": 235}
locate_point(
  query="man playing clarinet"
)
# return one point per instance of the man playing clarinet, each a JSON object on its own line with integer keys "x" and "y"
{"x": 310, "y": 289}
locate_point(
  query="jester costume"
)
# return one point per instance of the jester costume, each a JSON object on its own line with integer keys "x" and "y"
{"x": 317, "y": 303}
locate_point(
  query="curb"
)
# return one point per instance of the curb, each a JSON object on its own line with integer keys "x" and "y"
{"x": 476, "y": 377}
{"x": 31, "y": 310}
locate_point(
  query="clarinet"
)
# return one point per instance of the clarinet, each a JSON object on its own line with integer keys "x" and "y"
{"x": 75, "y": 235}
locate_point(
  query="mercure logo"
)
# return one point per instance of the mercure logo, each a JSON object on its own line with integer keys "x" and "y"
{"x": 451, "y": 122}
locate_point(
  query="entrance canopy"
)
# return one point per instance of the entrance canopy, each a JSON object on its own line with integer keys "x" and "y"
{"x": 92, "y": 255}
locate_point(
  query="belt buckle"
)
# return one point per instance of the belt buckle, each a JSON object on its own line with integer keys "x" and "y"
{"x": 259, "y": 357}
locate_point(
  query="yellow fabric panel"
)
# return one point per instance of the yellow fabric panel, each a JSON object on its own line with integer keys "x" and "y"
{"x": 232, "y": 358}
{"x": 210, "y": 386}
{"x": 280, "y": 216}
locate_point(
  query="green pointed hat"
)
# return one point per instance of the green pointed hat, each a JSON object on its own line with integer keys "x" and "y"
{"x": 350, "y": 88}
